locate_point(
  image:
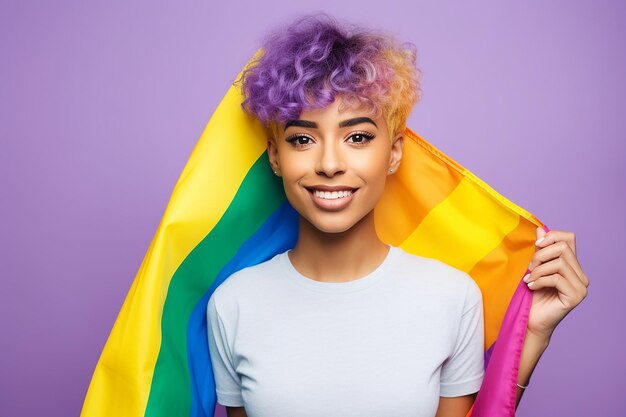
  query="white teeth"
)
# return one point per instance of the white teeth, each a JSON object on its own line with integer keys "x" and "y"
{"x": 332, "y": 195}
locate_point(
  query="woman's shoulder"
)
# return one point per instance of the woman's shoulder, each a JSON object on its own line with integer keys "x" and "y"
{"x": 429, "y": 265}
{"x": 249, "y": 279}
{"x": 433, "y": 273}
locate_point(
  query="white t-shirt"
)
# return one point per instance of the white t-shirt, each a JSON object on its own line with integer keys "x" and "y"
{"x": 386, "y": 344}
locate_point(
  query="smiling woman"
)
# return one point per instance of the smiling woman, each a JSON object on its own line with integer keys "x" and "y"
{"x": 334, "y": 101}
{"x": 335, "y": 105}
{"x": 344, "y": 323}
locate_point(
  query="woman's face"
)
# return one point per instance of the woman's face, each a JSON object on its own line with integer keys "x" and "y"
{"x": 334, "y": 165}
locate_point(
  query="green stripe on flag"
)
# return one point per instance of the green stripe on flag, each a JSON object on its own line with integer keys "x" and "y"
{"x": 170, "y": 392}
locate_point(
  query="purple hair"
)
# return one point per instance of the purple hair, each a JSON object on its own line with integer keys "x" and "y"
{"x": 310, "y": 62}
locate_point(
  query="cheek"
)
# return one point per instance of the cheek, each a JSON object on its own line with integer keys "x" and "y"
{"x": 294, "y": 167}
{"x": 374, "y": 166}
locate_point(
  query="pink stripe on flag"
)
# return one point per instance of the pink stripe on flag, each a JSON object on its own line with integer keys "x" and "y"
{"x": 496, "y": 397}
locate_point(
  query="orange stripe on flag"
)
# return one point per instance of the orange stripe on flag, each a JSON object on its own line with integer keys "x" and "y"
{"x": 499, "y": 273}
{"x": 401, "y": 208}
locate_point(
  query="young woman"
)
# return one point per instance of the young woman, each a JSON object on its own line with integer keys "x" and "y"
{"x": 344, "y": 324}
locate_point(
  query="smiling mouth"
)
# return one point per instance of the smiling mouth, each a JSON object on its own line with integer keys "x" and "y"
{"x": 332, "y": 195}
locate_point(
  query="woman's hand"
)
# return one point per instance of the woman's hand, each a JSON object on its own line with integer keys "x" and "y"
{"x": 558, "y": 281}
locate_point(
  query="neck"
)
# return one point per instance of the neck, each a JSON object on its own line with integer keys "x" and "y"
{"x": 338, "y": 257}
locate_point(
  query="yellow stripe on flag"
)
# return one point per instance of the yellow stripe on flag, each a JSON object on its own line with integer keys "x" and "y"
{"x": 469, "y": 214}
{"x": 228, "y": 147}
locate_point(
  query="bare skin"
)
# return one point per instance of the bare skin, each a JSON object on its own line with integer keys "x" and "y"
{"x": 337, "y": 237}
{"x": 559, "y": 285}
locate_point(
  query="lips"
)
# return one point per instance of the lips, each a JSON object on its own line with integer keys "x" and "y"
{"x": 332, "y": 198}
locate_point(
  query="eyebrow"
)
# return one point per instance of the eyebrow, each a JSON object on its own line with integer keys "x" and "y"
{"x": 344, "y": 123}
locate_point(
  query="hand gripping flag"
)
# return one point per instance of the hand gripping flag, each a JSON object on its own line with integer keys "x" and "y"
{"x": 228, "y": 211}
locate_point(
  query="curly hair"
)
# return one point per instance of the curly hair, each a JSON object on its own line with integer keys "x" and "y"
{"x": 310, "y": 62}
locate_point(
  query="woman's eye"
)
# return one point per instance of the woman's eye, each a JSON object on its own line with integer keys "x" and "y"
{"x": 360, "y": 137}
{"x": 299, "y": 140}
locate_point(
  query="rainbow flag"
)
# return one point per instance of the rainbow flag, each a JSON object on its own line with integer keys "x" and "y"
{"x": 228, "y": 211}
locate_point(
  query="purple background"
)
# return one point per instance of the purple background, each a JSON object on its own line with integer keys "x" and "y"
{"x": 101, "y": 105}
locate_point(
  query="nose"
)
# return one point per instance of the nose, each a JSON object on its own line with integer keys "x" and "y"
{"x": 330, "y": 161}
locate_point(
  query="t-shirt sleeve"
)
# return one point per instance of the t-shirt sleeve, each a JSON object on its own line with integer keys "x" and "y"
{"x": 462, "y": 373}
{"x": 227, "y": 382}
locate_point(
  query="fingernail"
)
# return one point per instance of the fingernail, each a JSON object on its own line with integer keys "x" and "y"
{"x": 530, "y": 264}
{"x": 526, "y": 278}
{"x": 530, "y": 284}
{"x": 539, "y": 240}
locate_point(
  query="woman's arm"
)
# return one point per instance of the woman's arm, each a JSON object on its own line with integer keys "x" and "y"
{"x": 534, "y": 346}
{"x": 559, "y": 285}
{"x": 455, "y": 406}
{"x": 235, "y": 412}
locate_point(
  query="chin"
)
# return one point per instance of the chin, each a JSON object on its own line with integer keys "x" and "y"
{"x": 333, "y": 227}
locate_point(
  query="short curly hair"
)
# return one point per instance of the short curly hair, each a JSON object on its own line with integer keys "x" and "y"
{"x": 307, "y": 64}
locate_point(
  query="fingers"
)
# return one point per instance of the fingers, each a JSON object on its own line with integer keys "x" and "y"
{"x": 540, "y": 234}
{"x": 560, "y": 275}
{"x": 556, "y": 250}
{"x": 554, "y": 236}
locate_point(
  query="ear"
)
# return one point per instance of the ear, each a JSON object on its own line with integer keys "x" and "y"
{"x": 396, "y": 153}
{"x": 272, "y": 153}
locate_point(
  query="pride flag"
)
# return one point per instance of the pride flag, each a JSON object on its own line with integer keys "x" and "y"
{"x": 228, "y": 211}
